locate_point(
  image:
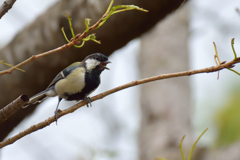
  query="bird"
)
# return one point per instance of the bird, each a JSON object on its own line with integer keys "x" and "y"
{"x": 76, "y": 82}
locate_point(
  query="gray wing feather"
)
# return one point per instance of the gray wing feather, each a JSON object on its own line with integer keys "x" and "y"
{"x": 64, "y": 73}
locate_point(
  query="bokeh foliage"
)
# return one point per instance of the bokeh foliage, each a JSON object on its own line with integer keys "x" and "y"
{"x": 228, "y": 120}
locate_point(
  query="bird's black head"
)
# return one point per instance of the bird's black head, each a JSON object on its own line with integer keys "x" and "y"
{"x": 96, "y": 61}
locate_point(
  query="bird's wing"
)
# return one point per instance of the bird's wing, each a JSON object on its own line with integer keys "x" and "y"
{"x": 65, "y": 73}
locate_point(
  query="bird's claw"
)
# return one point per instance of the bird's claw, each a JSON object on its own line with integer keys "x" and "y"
{"x": 88, "y": 100}
{"x": 56, "y": 114}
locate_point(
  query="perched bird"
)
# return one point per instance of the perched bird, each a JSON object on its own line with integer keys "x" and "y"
{"x": 75, "y": 82}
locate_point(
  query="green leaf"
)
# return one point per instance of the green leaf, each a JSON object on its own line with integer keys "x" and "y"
{"x": 70, "y": 25}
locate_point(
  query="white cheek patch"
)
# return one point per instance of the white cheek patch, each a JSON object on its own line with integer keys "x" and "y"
{"x": 91, "y": 63}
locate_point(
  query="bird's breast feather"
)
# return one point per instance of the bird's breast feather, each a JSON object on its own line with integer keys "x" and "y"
{"x": 71, "y": 84}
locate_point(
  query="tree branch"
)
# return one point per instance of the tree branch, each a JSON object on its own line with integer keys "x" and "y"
{"x": 13, "y": 107}
{"x": 6, "y": 6}
{"x": 50, "y": 120}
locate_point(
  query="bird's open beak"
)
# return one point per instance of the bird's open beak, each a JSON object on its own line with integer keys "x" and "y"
{"x": 103, "y": 64}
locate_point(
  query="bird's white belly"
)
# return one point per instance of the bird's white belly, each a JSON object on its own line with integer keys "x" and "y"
{"x": 73, "y": 83}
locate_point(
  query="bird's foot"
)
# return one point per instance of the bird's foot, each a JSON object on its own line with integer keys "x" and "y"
{"x": 88, "y": 100}
{"x": 56, "y": 114}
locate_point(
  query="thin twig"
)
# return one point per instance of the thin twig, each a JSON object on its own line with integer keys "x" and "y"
{"x": 61, "y": 48}
{"x": 13, "y": 107}
{"x": 50, "y": 120}
{"x": 6, "y": 6}
{"x": 76, "y": 39}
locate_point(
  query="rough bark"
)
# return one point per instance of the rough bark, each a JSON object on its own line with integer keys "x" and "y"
{"x": 166, "y": 108}
{"x": 45, "y": 34}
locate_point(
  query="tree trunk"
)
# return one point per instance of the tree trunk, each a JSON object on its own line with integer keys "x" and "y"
{"x": 165, "y": 104}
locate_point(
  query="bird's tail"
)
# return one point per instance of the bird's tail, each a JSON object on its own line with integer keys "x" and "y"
{"x": 38, "y": 98}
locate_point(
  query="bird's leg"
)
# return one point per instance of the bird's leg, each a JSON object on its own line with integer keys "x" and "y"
{"x": 88, "y": 100}
{"x": 56, "y": 111}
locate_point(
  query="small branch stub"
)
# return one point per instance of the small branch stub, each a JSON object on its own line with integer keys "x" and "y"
{"x": 6, "y": 6}
{"x": 13, "y": 107}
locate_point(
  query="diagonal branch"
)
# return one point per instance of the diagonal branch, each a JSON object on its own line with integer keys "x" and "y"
{"x": 6, "y": 6}
{"x": 61, "y": 48}
{"x": 75, "y": 40}
{"x": 50, "y": 120}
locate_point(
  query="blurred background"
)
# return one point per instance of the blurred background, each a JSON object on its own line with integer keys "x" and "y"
{"x": 142, "y": 122}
